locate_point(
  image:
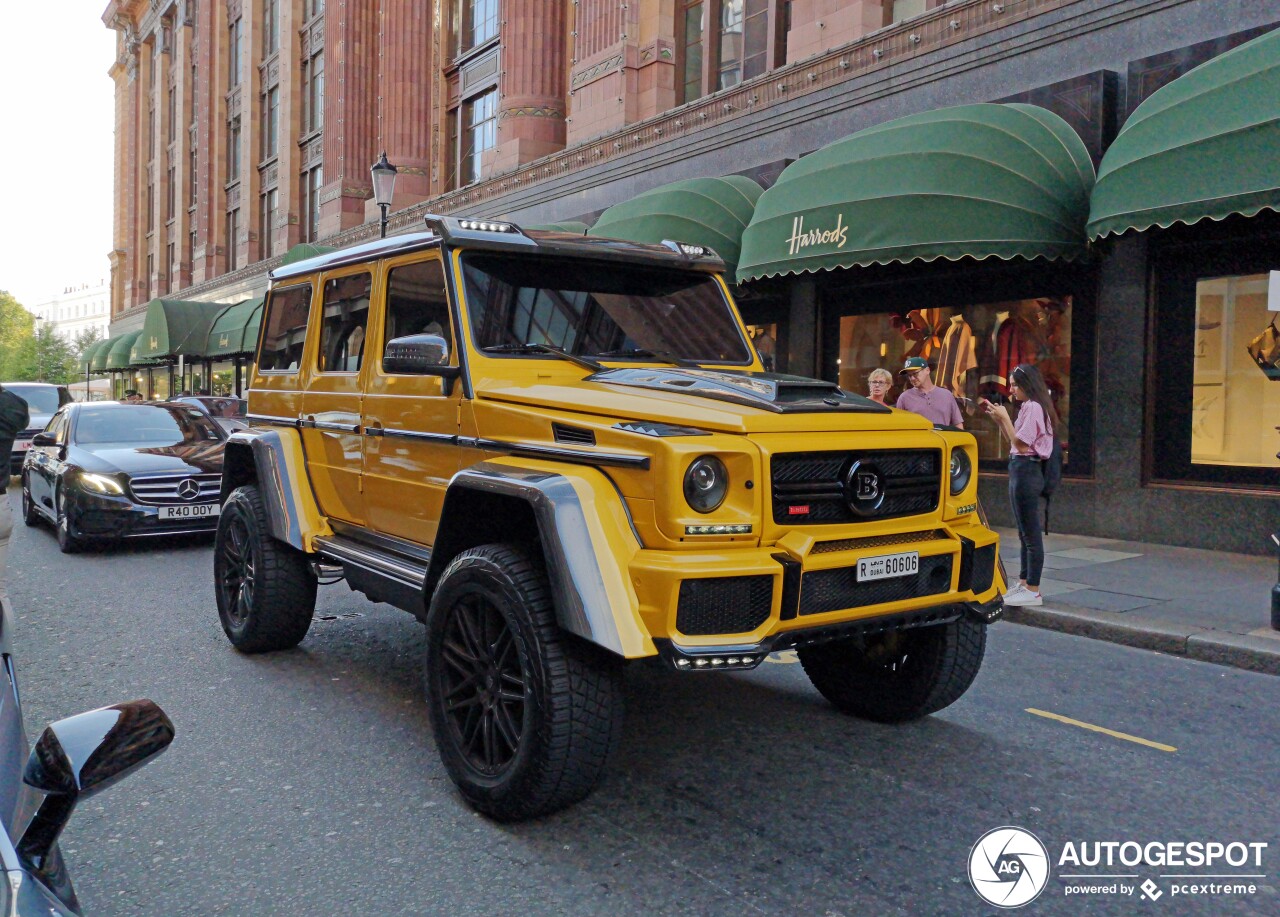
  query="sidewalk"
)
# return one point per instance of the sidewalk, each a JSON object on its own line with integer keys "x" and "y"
{"x": 1206, "y": 605}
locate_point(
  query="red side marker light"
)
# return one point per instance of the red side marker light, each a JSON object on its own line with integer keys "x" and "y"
{"x": 797, "y": 510}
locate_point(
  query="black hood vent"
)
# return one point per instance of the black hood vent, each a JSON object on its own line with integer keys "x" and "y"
{"x": 573, "y": 436}
{"x": 780, "y": 394}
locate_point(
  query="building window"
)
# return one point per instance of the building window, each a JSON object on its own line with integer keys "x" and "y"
{"x": 191, "y": 249}
{"x": 271, "y": 123}
{"x": 474, "y": 23}
{"x": 898, "y": 10}
{"x": 192, "y": 184}
{"x": 151, "y": 202}
{"x": 267, "y": 221}
{"x": 314, "y": 8}
{"x": 173, "y": 114}
{"x": 151, "y": 131}
{"x": 171, "y": 193}
{"x": 233, "y": 233}
{"x": 172, "y": 252}
{"x": 310, "y": 184}
{"x": 146, "y": 281}
{"x": 473, "y": 130}
{"x": 313, "y": 93}
{"x": 235, "y": 50}
{"x": 749, "y": 38}
{"x": 270, "y": 27}
{"x": 233, "y": 150}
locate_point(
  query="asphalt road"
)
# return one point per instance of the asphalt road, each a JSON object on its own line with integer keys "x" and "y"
{"x": 307, "y": 782}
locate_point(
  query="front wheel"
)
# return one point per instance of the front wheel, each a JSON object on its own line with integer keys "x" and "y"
{"x": 900, "y": 675}
{"x": 525, "y": 716}
{"x": 68, "y": 543}
{"x": 266, "y": 590}
{"x": 29, "y": 514}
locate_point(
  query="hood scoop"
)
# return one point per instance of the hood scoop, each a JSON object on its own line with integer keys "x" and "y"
{"x": 775, "y": 392}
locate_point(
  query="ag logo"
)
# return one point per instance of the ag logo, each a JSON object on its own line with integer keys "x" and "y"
{"x": 1008, "y": 867}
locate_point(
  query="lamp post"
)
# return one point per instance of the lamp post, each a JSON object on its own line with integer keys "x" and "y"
{"x": 384, "y": 186}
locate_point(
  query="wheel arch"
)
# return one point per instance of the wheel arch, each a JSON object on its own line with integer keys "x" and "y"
{"x": 274, "y": 461}
{"x": 576, "y": 519}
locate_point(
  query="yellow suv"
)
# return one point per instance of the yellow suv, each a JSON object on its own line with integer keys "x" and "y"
{"x": 561, "y": 453}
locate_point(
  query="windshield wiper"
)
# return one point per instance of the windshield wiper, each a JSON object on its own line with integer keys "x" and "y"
{"x": 532, "y": 347}
{"x": 665, "y": 356}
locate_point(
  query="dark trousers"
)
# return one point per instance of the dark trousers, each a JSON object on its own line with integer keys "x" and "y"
{"x": 1026, "y": 480}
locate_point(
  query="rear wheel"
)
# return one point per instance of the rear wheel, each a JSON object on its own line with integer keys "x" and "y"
{"x": 29, "y": 514}
{"x": 266, "y": 590}
{"x": 68, "y": 543}
{"x": 900, "y": 675}
{"x": 525, "y": 715}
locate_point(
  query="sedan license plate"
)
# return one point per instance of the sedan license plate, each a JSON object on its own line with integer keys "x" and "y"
{"x": 21, "y": 445}
{"x": 190, "y": 511}
{"x": 887, "y": 566}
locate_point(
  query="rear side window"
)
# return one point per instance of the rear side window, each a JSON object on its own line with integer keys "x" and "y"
{"x": 416, "y": 302}
{"x": 346, "y": 315}
{"x": 288, "y": 310}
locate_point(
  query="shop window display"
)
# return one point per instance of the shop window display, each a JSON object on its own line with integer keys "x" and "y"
{"x": 1236, "y": 373}
{"x": 222, "y": 378}
{"x": 972, "y": 351}
{"x": 765, "y": 339}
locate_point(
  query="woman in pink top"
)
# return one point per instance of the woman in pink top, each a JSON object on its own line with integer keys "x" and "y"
{"x": 1030, "y": 444}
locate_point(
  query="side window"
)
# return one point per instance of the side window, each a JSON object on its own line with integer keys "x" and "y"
{"x": 416, "y": 301}
{"x": 346, "y": 315}
{"x": 286, "y": 329}
{"x": 58, "y": 427}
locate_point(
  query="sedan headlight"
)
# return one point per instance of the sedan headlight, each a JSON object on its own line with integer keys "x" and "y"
{"x": 100, "y": 483}
{"x": 706, "y": 483}
{"x": 961, "y": 471}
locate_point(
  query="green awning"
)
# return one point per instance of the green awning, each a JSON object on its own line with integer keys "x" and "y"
{"x": 1204, "y": 146}
{"x": 978, "y": 181}
{"x": 304, "y": 250}
{"x": 570, "y": 226}
{"x": 227, "y": 335}
{"x": 700, "y": 211}
{"x": 86, "y": 360}
{"x": 98, "y": 364}
{"x": 174, "y": 327}
{"x": 119, "y": 356}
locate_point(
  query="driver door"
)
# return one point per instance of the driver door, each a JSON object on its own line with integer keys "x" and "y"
{"x": 410, "y": 422}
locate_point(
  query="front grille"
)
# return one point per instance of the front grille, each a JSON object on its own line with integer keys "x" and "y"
{"x": 835, "y": 590}
{"x": 724, "y": 604}
{"x": 160, "y": 490}
{"x": 984, "y": 569}
{"x": 878, "y": 541}
{"x": 813, "y": 488}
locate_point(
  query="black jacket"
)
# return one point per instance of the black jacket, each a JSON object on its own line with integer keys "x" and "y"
{"x": 14, "y": 417}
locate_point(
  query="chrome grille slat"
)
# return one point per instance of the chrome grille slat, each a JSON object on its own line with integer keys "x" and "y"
{"x": 162, "y": 489}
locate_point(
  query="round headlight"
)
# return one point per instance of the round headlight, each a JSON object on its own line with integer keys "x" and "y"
{"x": 706, "y": 483}
{"x": 961, "y": 471}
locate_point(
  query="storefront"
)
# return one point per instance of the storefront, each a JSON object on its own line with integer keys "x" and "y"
{"x": 229, "y": 345}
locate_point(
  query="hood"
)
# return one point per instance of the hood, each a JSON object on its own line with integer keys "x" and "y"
{"x": 200, "y": 458}
{"x": 38, "y": 420}
{"x": 721, "y": 400}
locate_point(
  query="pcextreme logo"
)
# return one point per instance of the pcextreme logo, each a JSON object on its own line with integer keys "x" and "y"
{"x": 1008, "y": 867}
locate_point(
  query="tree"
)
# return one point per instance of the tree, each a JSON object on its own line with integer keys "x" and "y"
{"x": 84, "y": 340}
{"x": 53, "y": 359}
{"x": 17, "y": 343}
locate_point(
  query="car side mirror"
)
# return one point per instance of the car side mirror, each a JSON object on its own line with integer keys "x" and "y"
{"x": 420, "y": 355}
{"x": 44, "y": 439}
{"x": 82, "y": 755}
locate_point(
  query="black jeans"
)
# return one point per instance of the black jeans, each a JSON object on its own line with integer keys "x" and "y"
{"x": 1026, "y": 480}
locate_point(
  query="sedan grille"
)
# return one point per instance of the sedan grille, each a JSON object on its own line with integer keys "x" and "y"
{"x": 171, "y": 489}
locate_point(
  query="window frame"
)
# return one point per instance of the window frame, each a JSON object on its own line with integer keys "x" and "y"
{"x": 266, "y": 327}
{"x": 330, "y": 278}
{"x": 777, "y": 13}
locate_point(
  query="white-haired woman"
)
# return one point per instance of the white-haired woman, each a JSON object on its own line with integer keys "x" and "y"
{"x": 878, "y": 385}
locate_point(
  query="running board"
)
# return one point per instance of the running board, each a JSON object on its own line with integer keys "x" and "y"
{"x": 381, "y": 575}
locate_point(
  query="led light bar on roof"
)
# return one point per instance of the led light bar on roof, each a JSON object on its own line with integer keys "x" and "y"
{"x": 486, "y": 226}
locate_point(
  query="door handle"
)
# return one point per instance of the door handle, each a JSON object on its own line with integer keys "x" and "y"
{"x": 373, "y": 429}
{"x": 307, "y": 421}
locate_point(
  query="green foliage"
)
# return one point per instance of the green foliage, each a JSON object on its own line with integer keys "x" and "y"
{"x": 17, "y": 341}
{"x": 84, "y": 340}
{"x": 53, "y": 359}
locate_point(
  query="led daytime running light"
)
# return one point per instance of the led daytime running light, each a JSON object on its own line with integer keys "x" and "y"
{"x": 717, "y": 530}
{"x": 100, "y": 483}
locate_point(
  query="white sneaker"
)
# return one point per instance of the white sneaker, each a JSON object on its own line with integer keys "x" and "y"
{"x": 1016, "y": 590}
{"x": 1024, "y": 597}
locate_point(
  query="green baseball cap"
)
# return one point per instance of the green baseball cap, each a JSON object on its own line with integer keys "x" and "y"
{"x": 912, "y": 364}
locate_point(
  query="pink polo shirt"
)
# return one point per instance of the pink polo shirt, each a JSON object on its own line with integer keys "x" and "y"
{"x": 1033, "y": 429}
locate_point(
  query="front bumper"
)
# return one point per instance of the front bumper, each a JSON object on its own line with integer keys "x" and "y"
{"x": 110, "y": 516}
{"x": 742, "y": 604}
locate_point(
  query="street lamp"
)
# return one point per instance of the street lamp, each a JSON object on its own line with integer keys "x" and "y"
{"x": 384, "y": 186}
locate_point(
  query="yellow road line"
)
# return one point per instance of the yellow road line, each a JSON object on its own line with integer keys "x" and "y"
{"x": 1111, "y": 732}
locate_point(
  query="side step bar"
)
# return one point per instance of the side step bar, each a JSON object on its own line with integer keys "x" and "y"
{"x": 381, "y": 575}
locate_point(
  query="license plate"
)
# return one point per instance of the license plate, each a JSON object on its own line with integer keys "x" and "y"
{"x": 21, "y": 445}
{"x": 190, "y": 511}
{"x": 887, "y": 566}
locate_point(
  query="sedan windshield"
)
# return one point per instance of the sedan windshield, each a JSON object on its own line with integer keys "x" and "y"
{"x": 608, "y": 311}
{"x": 136, "y": 425}
{"x": 41, "y": 399}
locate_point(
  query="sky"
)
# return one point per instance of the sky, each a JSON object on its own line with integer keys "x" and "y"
{"x": 56, "y": 154}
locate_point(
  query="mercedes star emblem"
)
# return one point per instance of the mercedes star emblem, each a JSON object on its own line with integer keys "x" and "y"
{"x": 188, "y": 489}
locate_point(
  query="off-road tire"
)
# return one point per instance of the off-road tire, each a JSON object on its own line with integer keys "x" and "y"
{"x": 564, "y": 706}
{"x": 900, "y": 675}
{"x": 67, "y": 542}
{"x": 30, "y": 515}
{"x": 266, "y": 590}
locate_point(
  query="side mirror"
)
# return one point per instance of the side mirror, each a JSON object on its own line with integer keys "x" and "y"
{"x": 416, "y": 354}
{"x": 83, "y": 755}
{"x": 43, "y": 439}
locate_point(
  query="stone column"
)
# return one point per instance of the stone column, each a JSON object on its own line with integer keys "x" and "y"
{"x": 404, "y": 104}
{"x": 351, "y": 30}
{"x": 531, "y": 87}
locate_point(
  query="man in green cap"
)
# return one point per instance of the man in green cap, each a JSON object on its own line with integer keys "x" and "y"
{"x": 925, "y": 398}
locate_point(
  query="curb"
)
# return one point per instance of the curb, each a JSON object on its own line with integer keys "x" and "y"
{"x": 1241, "y": 651}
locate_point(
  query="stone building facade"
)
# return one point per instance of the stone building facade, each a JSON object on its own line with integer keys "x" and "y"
{"x": 76, "y": 310}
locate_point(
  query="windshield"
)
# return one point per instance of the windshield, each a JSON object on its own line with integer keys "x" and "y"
{"x": 135, "y": 425}
{"x": 41, "y": 399}
{"x": 611, "y": 311}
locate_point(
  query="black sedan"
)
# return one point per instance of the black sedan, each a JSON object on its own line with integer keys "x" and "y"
{"x": 72, "y": 760}
{"x": 112, "y": 470}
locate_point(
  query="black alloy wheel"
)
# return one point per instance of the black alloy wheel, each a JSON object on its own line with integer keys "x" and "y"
{"x": 67, "y": 542}
{"x": 236, "y": 572}
{"x": 30, "y": 516}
